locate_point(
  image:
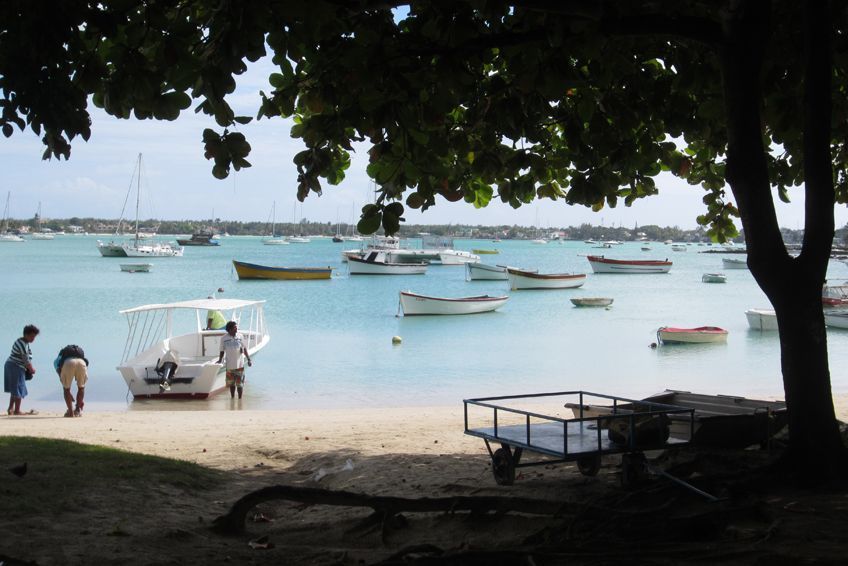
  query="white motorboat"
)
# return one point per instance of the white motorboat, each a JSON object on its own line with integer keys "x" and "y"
{"x": 298, "y": 240}
{"x": 699, "y": 335}
{"x": 519, "y": 279}
{"x": 761, "y": 319}
{"x": 415, "y": 304}
{"x": 376, "y": 263}
{"x": 5, "y": 235}
{"x": 834, "y": 295}
{"x": 592, "y": 301}
{"x": 168, "y": 354}
{"x": 601, "y": 264}
{"x": 714, "y": 278}
{"x": 457, "y": 257}
{"x": 485, "y": 272}
{"x": 734, "y": 263}
{"x": 136, "y": 267}
{"x": 836, "y": 319}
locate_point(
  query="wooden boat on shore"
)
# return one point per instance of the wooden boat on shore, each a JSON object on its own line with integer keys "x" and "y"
{"x": 136, "y": 267}
{"x": 761, "y": 319}
{"x": 719, "y": 420}
{"x": 256, "y": 271}
{"x": 375, "y": 263}
{"x": 414, "y": 304}
{"x": 698, "y": 335}
{"x": 519, "y": 279}
{"x": 734, "y": 263}
{"x": 162, "y": 360}
{"x": 714, "y": 278}
{"x": 592, "y": 301}
{"x": 601, "y": 264}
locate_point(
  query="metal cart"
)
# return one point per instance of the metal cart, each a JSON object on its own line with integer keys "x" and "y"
{"x": 582, "y": 439}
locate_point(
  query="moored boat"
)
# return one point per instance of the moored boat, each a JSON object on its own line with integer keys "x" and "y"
{"x": 200, "y": 238}
{"x": 136, "y": 267}
{"x": 761, "y": 319}
{"x": 601, "y": 264}
{"x": 457, "y": 257}
{"x": 734, "y": 263}
{"x": 255, "y": 271}
{"x": 714, "y": 278}
{"x": 834, "y": 295}
{"x": 838, "y": 319}
{"x": 415, "y": 304}
{"x": 485, "y": 272}
{"x": 592, "y": 301}
{"x": 169, "y": 354}
{"x": 484, "y": 251}
{"x": 697, "y": 335}
{"x": 376, "y": 263}
{"x": 519, "y": 279}
{"x": 678, "y": 247}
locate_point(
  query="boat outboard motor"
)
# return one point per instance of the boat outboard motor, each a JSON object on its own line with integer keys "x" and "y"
{"x": 166, "y": 367}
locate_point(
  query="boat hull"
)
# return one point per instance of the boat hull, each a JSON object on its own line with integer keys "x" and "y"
{"x": 484, "y": 272}
{"x": 600, "y": 264}
{"x": 714, "y": 278}
{"x": 136, "y": 267}
{"x": 699, "y": 335}
{"x": 521, "y": 280}
{"x": 455, "y": 257}
{"x": 761, "y": 319}
{"x": 359, "y": 266}
{"x": 592, "y": 301}
{"x": 152, "y": 250}
{"x": 255, "y": 271}
{"x": 733, "y": 263}
{"x": 836, "y": 320}
{"x": 111, "y": 249}
{"x": 413, "y": 304}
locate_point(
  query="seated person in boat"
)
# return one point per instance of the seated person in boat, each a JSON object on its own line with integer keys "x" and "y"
{"x": 215, "y": 320}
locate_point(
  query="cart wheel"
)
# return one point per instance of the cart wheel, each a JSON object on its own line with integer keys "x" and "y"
{"x": 503, "y": 467}
{"x": 632, "y": 469}
{"x": 589, "y": 466}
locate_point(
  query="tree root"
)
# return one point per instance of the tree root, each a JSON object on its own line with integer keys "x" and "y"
{"x": 233, "y": 521}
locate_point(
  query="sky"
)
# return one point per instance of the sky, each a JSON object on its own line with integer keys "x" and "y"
{"x": 178, "y": 183}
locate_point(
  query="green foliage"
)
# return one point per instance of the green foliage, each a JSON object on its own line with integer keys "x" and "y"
{"x": 468, "y": 100}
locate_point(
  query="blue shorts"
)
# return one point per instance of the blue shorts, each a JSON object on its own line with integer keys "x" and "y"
{"x": 14, "y": 379}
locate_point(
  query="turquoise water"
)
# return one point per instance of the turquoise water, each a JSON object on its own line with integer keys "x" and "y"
{"x": 331, "y": 341}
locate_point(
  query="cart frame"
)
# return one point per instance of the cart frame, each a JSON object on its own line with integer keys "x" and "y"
{"x": 584, "y": 440}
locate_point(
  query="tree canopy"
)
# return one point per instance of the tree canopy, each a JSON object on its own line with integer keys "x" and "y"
{"x": 580, "y": 100}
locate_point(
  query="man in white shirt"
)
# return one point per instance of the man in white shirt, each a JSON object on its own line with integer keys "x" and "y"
{"x": 232, "y": 347}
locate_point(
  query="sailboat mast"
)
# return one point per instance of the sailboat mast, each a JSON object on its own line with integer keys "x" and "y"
{"x": 137, "y": 198}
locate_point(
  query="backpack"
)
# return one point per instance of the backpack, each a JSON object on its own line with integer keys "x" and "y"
{"x": 72, "y": 351}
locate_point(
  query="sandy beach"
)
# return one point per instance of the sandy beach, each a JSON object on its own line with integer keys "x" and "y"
{"x": 234, "y": 440}
{"x": 400, "y": 452}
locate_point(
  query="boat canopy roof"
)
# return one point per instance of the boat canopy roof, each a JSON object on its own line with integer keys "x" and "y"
{"x": 198, "y": 304}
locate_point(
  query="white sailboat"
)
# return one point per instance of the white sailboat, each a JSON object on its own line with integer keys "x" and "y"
{"x": 154, "y": 249}
{"x": 294, "y": 238}
{"x": 39, "y": 233}
{"x": 5, "y": 235}
{"x": 274, "y": 240}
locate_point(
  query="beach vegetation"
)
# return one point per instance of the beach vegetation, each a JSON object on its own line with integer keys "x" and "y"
{"x": 580, "y": 102}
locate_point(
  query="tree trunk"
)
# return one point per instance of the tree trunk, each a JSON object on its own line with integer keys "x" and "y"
{"x": 793, "y": 285}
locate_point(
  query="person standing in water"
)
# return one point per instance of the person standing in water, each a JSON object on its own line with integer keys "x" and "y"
{"x": 233, "y": 348}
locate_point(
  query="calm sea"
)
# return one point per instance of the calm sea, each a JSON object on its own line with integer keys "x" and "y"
{"x": 331, "y": 341}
